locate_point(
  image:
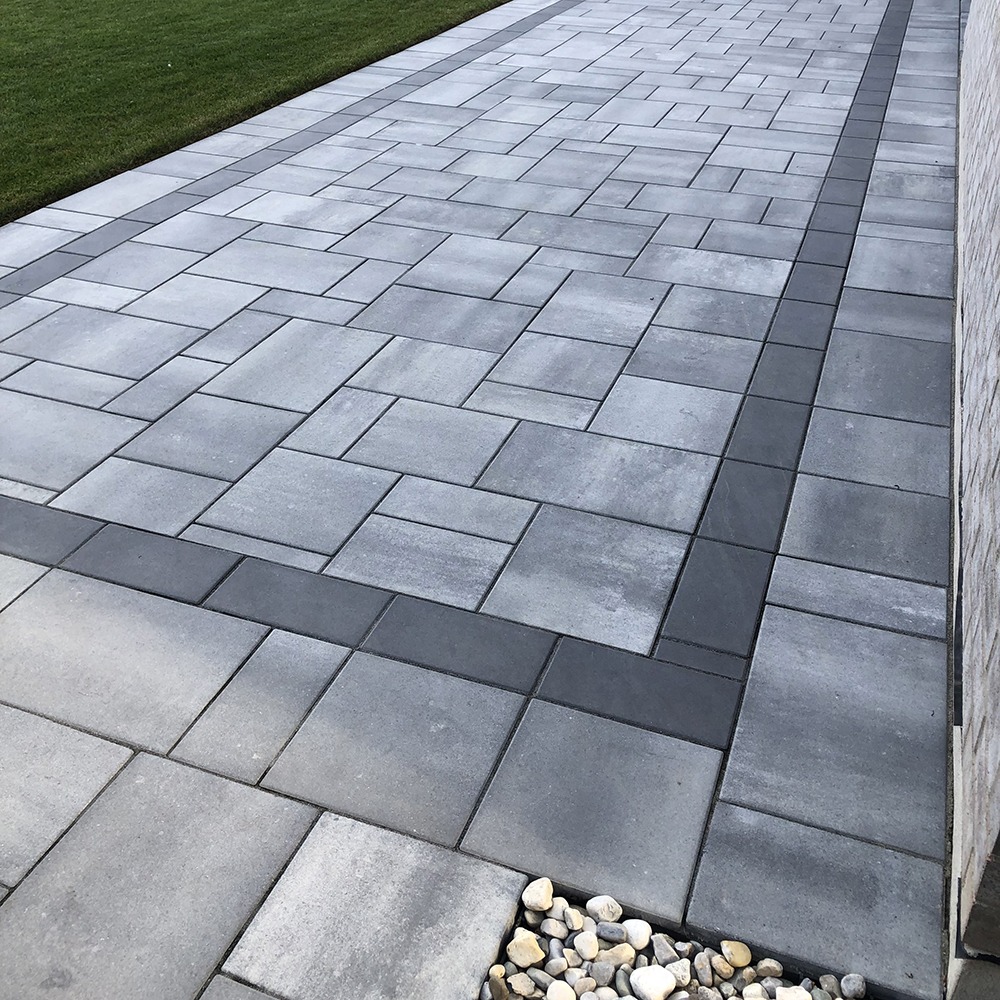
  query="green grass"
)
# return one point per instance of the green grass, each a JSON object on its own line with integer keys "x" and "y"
{"x": 92, "y": 87}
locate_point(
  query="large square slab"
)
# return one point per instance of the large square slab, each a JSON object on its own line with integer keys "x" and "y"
{"x": 124, "y": 664}
{"x": 446, "y": 735}
{"x": 439, "y": 442}
{"x": 274, "y": 266}
{"x": 861, "y": 759}
{"x": 212, "y": 436}
{"x": 143, "y": 896}
{"x": 470, "y": 265}
{"x": 307, "y": 501}
{"x": 50, "y": 444}
{"x": 668, "y": 413}
{"x": 195, "y": 300}
{"x": 48, "y": 774}
{"x": 694, "y": 358}
{"x": 544, "y": 812}
{"x": 298, "y": 366}
{"x": 843, "y": 903}
{"x": 590, "y": 576}
{"x": 457, "y": 908}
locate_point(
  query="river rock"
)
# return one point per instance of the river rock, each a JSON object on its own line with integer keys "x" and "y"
{"x": 754, "y": 991}
{"x": 770, "y": 967}
{"x": 554, "y": 929}
{"x": 605, "y": 993}
{"x": 680, "y": 970}
{"x": 703, "y": 968}
{"x": 791, "y": 993}
{"x": 612, "y": 932}
{"x": 744, "y": 978}
{"x": 820, "y": 994}
{"x": 521, "y": 985}
{"x": 556, "y": 966}
{"x": 602, "y": 973}
{"x": 736, "y": 953}
{"x": 586, "y": 946}
{"x": 722, "y": 968}
{"x": 637, "y": 933}
{"x": 573, "y": 918}
{"x": 537, "y": 895}
{"x": 558, "y": 990}
{"x": 853, "y": 987}
{"x": 558, "y": 908}
{"x": 664, "y": 949}
{"x": 585, "y": 985}
{"x": 831, "y": 984}
{"x": 524, "y": 950}
{"x": 652, "y": 983}
{"x": 604, "y": 908}
{"x": 496, "y": 985}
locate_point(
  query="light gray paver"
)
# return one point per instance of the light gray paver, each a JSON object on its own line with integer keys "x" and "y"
{"x": 275, "y": 266}
{"x": 123, "y": 664}
{"x": 195, "y": 301}
{"x": 547, "y": 825}
{"x": 48, "y": 775}
{"x": 16, "y": 576}
{"x": 69, "y": 385}
{"x": 151, "y": 885}
{"x": 446, "y": 735}
{"x": 136, "y": 265}
{"x": 452, "y": 909}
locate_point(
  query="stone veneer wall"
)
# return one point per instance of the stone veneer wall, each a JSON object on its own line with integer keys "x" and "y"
{"x": 979, "y": 356}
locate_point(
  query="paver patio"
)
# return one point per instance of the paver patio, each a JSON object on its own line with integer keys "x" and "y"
{"x": 533, "y": 449}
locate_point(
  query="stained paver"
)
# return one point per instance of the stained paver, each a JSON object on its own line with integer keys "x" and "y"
{"x": 590, "y": 361}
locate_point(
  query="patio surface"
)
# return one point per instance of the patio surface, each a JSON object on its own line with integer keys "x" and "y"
{"x": 526, "y": 455}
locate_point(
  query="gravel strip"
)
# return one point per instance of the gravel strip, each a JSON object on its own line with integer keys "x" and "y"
{"x": 561, "y": 951}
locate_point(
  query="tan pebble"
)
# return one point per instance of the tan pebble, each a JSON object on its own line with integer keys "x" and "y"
{"x": 621, "y": 954}
{"x": 681, "y": 971}
{"x": 736, "y": 953}
{"x": 521, "y": 985}
{"x": 770, "y": 967}
{"x": 537, "y": 895}
{"x": 557, "y": 909}
{"x": 585, "y": 944}
{"x": 572, "y": 957}
{"x": 754, "y": 991}
{"x": 573, "y": 918}
{"x": 496, "y": 970}
{"x": 524, "y": 951}
{"x": 585, "y": 985}
{"x": 722, "y": 967}
{"x": 604, "y": 908}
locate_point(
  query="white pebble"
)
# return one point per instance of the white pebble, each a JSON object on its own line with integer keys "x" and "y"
{"x": 604, "y": 908}
{"x": 652, "y": 983}
{"x": 791, "y": 993}
{"x": 537, "y": 895}
{"x": 637, "y": 933}
{"x": 554, "y": 929}
{"x": 560, "y": 991}
{"x": 585, "y": 945}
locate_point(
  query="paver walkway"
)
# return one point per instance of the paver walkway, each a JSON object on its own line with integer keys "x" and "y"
{"x": 565, "y": 405}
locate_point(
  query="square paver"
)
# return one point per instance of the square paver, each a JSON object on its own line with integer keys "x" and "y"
{"x": 470, "y": 265}
{"x": 552, "y": 826}
{"x": 601, "y": 307}
{"x": 627, "y": 479}
{"x": 274, "y": 266}
{"x": 693, "y": 358}
{"x": 748, "y": 505}
{"x": 709, "y": 310}
{"x": 590, "y": 576}
{"x": 558, "y": 364}
{"x": 863, "y": 761}
{"x": 141, "y": 495}
{"x": 100, "y": 341}
{"x": 307, "y": 501}
{"x": 212, "y": 436}
{"x": 893, "y": 939}
{"x": 458, "y": 908}
{"x": 421, "y": 369}
{"x": 50, "y": 444}
{"x": 194, "y": 231}
{"x": 136, "y": 265}
{"x": 48, "y": 775}
{"x": 339, "y": 422}
{"x": 246, "y": 727}
{"x": 421, "y": 559}
{"x": 298, "y": 366}
{"x": 869, "y": 528}
{"x": 195, "y": 301}
{"x": 439, "y": 442}
{"x": 668, "y": 413}
{"x": 150, "y": 886}
{"x": 123, "y": 664}
{"x": 446, "y": 735}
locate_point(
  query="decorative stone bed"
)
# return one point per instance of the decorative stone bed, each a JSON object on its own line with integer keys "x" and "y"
{"x": 561, "y": 951}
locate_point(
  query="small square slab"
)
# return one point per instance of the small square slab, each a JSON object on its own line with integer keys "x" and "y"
{"x": 446, "y": 735}
{"x": 300, "y": 946}
{"x": 540, "y": 812}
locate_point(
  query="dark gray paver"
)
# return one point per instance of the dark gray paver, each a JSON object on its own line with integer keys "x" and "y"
{"x": 572, "y": 571}
{"x": 48, "y": 775}
{"x": 162, "y": 841}
{"x": 747, "y": 505}
{"x": 458, "y": 908}
{"x": 813, "y": 908}
{"x": 335, "y": 610}
{"x": 49, "y": 443}
{"x": 254, "y": 716}
{"x": 223, "y": 988}
{"x": 840, "y": 682}
{"x": 212, "y": 436}
{"x": 446, "y": 734}
{"x": 301, "y": 500}
{"x": 147, "y": 561}
{"x": 547, "y": 825}
{"x": 869, "y": 528}
{"x": 141, "y": 495}
{"x": 41, "y": 534}
{"x": 123, "y": 664}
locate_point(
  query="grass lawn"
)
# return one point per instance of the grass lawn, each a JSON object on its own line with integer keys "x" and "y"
{"x": 91, "y": 87}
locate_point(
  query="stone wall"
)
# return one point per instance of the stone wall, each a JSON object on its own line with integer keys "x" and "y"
{"x": 979, "y": 355}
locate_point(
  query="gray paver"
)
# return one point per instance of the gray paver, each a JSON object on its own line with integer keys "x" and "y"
{"x": 49, "y": 443}
{"x": 276, "y": 266}
{"x": 16, "y": 576}
{"x": 668, "y": 413}
{"x": 730, "y": 272}
{"x": 470, "y": 265}
{"x": 123, "y": 664}
{"x": 48, "y": 775}
{"x": 572, "y": 571}
{"x": 446, "y": 734}
{"x": 297, "y": 366}
{"x": 421, "y": 369}
{"x": 734, "y": 314}
{"x": 244, "y": 729}
{"x": 306, "y": 501}
{"x": 212, "y": 436}
{"x": 339, "y": 422}
{"x": 421, "y": 559}
{"x": 548, "y": 825}
{"x": 456, "y": 907}
{"x": 136, "y": 265}
{"x": 164, "y": 388}
{"x": 426, "y": 439}
{"x": 323, "y": 214}
{"x": 693, "y": 358}
{"x": 194, "y": 231}
{"x": 147, "y": 886}
{"x": 141, "y": 495}
{"x": 195, "y": 301}
{"x": 532, "y": 404}
{"x": 840, "y": 681}
{"x": 70, "y": 385}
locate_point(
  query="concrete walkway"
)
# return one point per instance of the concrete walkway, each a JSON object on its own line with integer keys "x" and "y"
{"x": 532, "y": 449}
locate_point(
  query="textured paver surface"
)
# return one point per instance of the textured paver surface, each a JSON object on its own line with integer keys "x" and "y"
{"x": 526, "y": 455}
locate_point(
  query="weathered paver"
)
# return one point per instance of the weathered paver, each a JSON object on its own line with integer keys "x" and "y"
{"x": 567, "y": 391}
